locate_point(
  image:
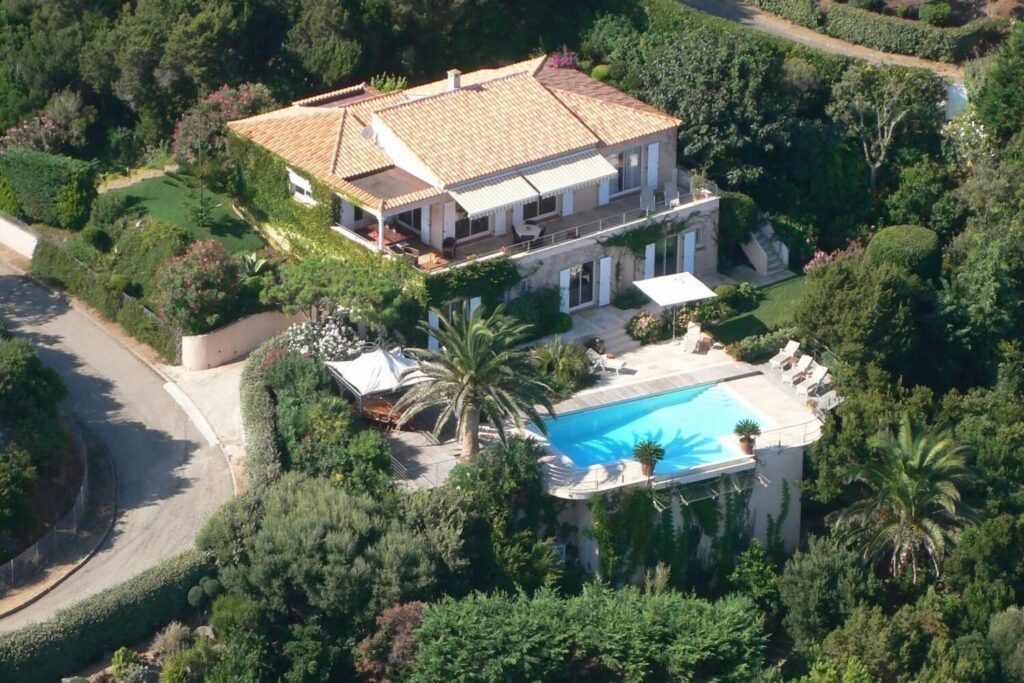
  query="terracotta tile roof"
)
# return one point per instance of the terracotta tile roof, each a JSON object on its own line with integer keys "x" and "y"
{"x": 613, "y": 123}
{"x": 339, "y": 98}
{"x": 528, "y": 66}
{"x": 304, "y": 136}
{"x": 485, "y": 129}
{"x": 581, "y": 84}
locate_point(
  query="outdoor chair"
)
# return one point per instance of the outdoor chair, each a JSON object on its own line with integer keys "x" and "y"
{"x": 671, "y": 194}
{"x": 601, "y": 361}
{"x": 815, "y": 381}
{"x": 785, "y": 356}
{"x": 799, "y": 370}
{"x": 692, "y": 340}
{"x": 647, "y": 201}
{"x": 448, "y": 247}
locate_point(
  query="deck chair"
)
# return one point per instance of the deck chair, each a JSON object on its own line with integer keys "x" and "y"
{"x": 691, "y": 342}
{"x": 799, "y": 369}
{"x": 671, "y": 194}
{"x": 826, "y": 402}
{"x": 647, "y": 201}
{"x": 785, "y": 356}
{"x": 601, "y": 361}
{"x": 817, "y": 379}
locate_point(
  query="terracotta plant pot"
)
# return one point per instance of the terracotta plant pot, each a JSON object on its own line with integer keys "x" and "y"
{"x": 647, "y": 468}
{"x": 747, "y": 446}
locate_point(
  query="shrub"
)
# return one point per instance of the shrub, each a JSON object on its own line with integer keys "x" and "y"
{"x": 802, "y": 12}
{"x": 148, "y": 328}
{"x": 631, "y": 297}
{"x": 127, "y": 613}
{"x": 108, "y": 208}
{"x": 540, "y": 308}
{"x": 738, "y": 218}
{"x": 290, "y": 375}
{"x": 760, "y": 348}
{"x": 123, "y": 659}
{"x": 645, "y": 327}
{"x": 198, "y": 291}
{"x": 601, "y": 72}
{"x": 49, "y": 188}
{"x": 143, "y": 247}
{"x": 173, "y": 638}
{"x": 740, "y": 297}
{"x": 563, "y": 364}
{"x": 911, "y": 247}
{"x": 262, "y": 455}
{"x": 55, "y": 265}
{"x": 871, "y": 5}
{"x": 204, "y": 126}
{"x": 936, "y": 13}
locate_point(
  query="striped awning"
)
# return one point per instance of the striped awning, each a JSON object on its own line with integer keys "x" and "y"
{"x": 489, "y": 196}
{"x": 569, "y": 173}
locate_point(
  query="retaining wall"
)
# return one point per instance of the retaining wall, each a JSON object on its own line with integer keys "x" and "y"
{"x": 17, "y": 236}
{"x": 233, "y": 341}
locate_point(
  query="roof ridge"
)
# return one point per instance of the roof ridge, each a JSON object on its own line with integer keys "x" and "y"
{"x": 473, "y": 86}
{"x": 312, "y": 99}
{"x": 651, "y": 111}
{"x": 337, "y": 141}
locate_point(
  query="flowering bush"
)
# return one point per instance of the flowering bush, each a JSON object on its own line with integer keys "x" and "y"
{"x": 645, "y": 327}
{"x": 820, "y": 258}
{"x": 330, "y": 338}
{"x": 563, "y": 59}
{"x": 967, "y": 138}
{"x": 198, "y": 291}
{"x": 40, "y": 133}
{"x": 205, "y": 125}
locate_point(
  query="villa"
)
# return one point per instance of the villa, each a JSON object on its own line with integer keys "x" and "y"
{"x": 534, "y": 161}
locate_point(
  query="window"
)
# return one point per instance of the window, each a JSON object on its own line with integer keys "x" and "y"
{"x": 357, "y": 213}
{"x": 581, "y": 285}
{"x": 299, "y": 188}
{"x": 410, "y": 219}
{"x": 541, "y": 207}
{"x": 627, "y": 165}
{"x": 468, "y": 227}
{"x": 454, "y": 306}
{"x": 666, "y": 256}
{"x": 698, "y": 241}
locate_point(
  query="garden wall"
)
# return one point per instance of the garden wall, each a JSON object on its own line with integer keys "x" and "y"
{"x": 17, "y": 236}
{"x": 233, "y": 341}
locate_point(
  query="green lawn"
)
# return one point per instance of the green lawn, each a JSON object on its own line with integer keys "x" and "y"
{"x": 170, "y": 198}
{"x": 774, "y": 310}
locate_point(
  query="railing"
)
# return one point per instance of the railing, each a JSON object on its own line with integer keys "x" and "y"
{"x": 793, "y": 435}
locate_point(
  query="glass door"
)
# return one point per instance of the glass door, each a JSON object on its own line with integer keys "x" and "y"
{"x": 581, "y": 285}
{"x": 666, "y": 256}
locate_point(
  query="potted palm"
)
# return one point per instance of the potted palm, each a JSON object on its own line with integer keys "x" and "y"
{"x": 648, "y": 453}
{"x": 747, "y": 430}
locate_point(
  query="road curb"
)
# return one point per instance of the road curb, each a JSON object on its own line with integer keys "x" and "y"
{"x": 88, "y": 556}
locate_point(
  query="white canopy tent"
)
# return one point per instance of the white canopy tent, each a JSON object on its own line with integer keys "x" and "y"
{"x": 377, "y": 372}
{"x": 674, "y": 290}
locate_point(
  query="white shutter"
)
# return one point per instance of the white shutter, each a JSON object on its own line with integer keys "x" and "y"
{"x": 499, "y": 222}
{"x": 449, "y": 219}
{"x": 689, "y": 245}
{"x": 563, "y": 285}
{"x": 652, "y": 164}
{"x": 432, "y": 320}
{"x": 474, "y": 303}
{"x": 602, "y": 192}
{"x": 517, "y": 214}
{"x": 567, "y": 203}
{"x": 649, "y": 261}
{"x": 604, "y": 281}
{"x": 425, "y": 224}
{"x": 298, "y": 181}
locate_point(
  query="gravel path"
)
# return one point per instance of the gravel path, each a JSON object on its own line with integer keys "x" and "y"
{"x": 769, "y": 23}
{"x": 169, "y": 479}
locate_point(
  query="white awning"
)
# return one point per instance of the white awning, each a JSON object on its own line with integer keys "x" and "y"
{"x": 491, "y": 195}
{"x": 673, "y": 290}
{"x": 377, "y": 372}
{"x": 562, "y": 175}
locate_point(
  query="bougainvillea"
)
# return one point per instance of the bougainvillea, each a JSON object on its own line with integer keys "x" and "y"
{"x": 40, "y": 133}
{"x": 198, "y": 290}
{"x": 563, "y": 59}
{"x": 204, "y": 126}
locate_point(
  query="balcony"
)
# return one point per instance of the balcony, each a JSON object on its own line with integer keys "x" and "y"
{"x": 620, "y": 212}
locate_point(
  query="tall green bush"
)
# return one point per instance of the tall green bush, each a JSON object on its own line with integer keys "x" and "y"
{"x": 48, "y": 188}
{"x": 148, "y": 328}
{"x": 60, "y": 268}
{"x": 122, "y": 615}
{"x": 738, "y": 218}
{"x": 911, "y": 247}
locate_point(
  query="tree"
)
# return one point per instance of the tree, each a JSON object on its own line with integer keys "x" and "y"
{"x": 1006, "y": 636}
{"x": 30, "y": 391}
{"x": 478, "y": 372}
{"x": 197, "y": 291}
{"x": 819, "y": 588}
{"x": 912, "y": 510}
{"x": 326, "y": 40}
{"x": 875, "y": 104}
{"x": 1000, "y": 99}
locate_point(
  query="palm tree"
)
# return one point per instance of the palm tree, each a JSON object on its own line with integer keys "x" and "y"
{"x": 477, "y": 371}
{"x": 912, "y": 511}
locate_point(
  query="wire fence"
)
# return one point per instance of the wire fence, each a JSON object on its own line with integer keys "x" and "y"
{"x": 31, "y": 560}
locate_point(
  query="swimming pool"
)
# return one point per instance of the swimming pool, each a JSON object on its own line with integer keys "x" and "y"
{"x": 688, "y": 424}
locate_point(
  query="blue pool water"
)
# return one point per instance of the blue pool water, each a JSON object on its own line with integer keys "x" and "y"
{"x": 686, "y": 422}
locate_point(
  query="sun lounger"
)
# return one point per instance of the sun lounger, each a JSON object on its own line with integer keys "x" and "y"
{"x": 814, "y": 381}
{"x": 785, "y": 356}
{"x": 693, "y": 338}
{"x": 601, "y": 361}
{"x": 799, "y": 370}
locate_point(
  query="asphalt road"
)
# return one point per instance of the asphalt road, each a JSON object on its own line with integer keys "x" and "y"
{"x": 169, "y": 480}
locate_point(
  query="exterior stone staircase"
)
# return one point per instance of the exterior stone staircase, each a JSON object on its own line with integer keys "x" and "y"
{"x": 617, "y": 341}
{"x": 765, "y": 240}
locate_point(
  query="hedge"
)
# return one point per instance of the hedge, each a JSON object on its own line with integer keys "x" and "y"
{"x": 60, "y": 268}
{"x": 903, "y": 36}
{"x": 48, "y": 188}
{"x": 911, "y": 247}
{"x": 803, "y": 12}
{"x": 759, "y": 348}
{"x": 262, "y": 454}
{"x": 122, "y": 615}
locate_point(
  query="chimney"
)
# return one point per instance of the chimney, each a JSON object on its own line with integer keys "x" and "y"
{"x": 454, "y": 79}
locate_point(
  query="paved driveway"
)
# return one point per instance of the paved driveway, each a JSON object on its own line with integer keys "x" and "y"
{"x": 169, "y": 480}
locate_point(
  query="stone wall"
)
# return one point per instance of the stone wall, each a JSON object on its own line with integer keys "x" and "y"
{"x": 17, "y": 236}
{"x": 231, "y": 342}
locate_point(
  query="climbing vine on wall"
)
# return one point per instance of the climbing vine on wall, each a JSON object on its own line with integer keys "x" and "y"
{"x": 487, "y": 278}
{"x": 637, "y": 239}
